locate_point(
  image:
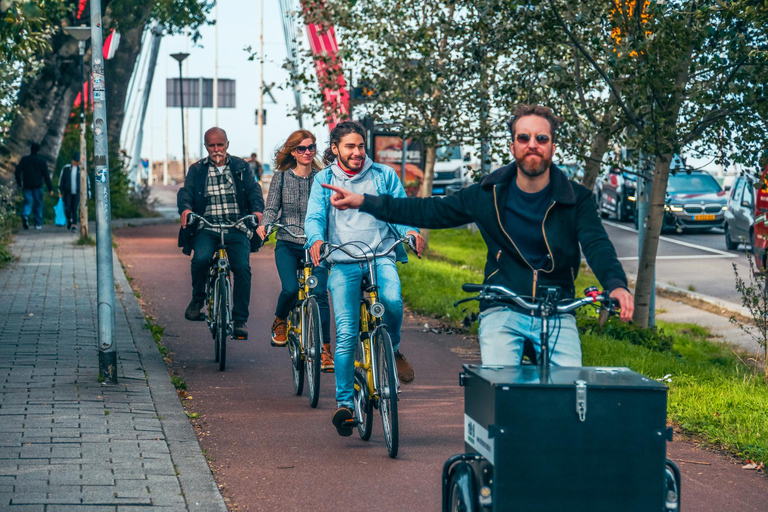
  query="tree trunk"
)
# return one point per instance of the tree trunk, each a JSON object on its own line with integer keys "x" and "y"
{"x": 647, "y": 263}
{"x": 426, "y": 184}
{"x": 118, "y": 71}
{"x": 592, "y": 164}
{"x": 44, "y": 105}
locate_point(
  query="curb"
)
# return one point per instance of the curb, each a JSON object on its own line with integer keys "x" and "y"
{"x": 197, "y": 483}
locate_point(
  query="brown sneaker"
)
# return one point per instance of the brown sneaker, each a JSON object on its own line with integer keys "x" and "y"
{"x": 326, "y": 359}
{"x": 279, "y": 332}
{"x": 404, "y": 368}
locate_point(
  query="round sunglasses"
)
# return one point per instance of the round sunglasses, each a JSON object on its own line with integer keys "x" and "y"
{"x": 525, "y": 138}
{"x": 303, "y": 149}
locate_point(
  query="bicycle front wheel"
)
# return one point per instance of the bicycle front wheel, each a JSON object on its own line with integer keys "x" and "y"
{"x": 313, "y": 343}
{"x": 387, "y": 388}
{"x": 222, "y": 319}
{"x": 297, "y": 364}
{"x": 363, "y": 403}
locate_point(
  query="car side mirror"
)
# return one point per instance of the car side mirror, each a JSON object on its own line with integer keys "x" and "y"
{"x": 745, "y": 203}
{"x": 467, "y": 157}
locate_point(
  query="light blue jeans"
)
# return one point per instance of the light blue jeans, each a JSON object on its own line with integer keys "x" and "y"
{"x": 344, "y": 285}
{"x": 503, "y": 333}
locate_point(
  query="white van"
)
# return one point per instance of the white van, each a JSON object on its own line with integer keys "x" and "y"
{"x": 453, "y": 171}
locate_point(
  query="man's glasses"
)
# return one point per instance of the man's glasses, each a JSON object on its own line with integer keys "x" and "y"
{"x": 525, "y": 138}
{"x": 303, "y": 149}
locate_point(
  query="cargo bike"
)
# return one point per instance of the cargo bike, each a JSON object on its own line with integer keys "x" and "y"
{"x": 541, "y": 438}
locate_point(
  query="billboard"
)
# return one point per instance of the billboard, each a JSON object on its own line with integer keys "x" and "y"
{"x": 388, "y": 150}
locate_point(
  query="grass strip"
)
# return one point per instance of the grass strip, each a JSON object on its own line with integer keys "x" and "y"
{"x": 712, "y": 394}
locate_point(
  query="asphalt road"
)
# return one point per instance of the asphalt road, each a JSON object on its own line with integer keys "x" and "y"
{"x": 271, "y": 451}
{"x": 695, "y": 261}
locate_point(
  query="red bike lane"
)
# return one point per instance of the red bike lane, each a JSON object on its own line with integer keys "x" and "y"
{"x": 271, "y": 451}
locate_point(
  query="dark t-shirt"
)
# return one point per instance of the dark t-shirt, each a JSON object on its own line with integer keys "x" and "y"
{"x": 523, "y": 217}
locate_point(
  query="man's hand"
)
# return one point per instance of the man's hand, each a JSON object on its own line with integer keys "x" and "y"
{"x": 343, "y": 198}
{"x": 51, "y": 193}
{"x": 262, "y": 232}
{"x": 184, "y": 216}
{"x": 315, "y": 252}
{"x": 258, "y": 216}
{"x": 419, "y": 242}
{"x": 626, "y": 302}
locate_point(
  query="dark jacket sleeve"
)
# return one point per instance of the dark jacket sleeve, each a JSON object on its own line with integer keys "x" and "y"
{"x": 431, "y": 212}
{"x": 595, "y": 244}
{"x": 47, "y": 177}
{"x": 186, "y": 194}
{"x": 19, "y": 171}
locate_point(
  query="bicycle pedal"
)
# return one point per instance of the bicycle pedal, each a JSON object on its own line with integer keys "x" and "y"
{"x": 239, "y": 337}
{"x": 327, "y": 370}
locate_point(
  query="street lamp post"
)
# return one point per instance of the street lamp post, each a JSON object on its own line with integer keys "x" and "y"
{"x": 180, "y": 57}
{"x": 82, "y": 34}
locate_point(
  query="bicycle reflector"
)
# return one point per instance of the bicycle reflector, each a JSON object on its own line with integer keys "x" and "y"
{"x": 222, "y": 263}
{"x": 312, "y": 281}
{"x": 377, "y": 309}
{"x": 592, "y": 291}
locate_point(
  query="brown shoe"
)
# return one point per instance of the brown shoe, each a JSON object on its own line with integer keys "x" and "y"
{"x": 404, "y": 368}
{"x": 326, "y": 359}
{"x": 279, "y": 332}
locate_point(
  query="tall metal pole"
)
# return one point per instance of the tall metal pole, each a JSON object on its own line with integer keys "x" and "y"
{"x": 261, "y": 80}
{"x": 180, "y": 57}
{"x": 404, "y": 159}
{"x": 200, "y": 99}
{"x": 157, "y": 34}
{"x": 104, "y": 270}
{"x": 216, "y": 69}
{"x": 83, "y": 151}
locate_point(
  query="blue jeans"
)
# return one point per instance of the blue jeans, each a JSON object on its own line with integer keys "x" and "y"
{"x": 503, "y": 333}
{"x": 288, "y": 257}
{"x": 344, "y": 284}
{"x": 33, "y": 203}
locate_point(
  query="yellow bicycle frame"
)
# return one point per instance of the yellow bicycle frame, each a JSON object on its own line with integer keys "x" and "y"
{"x": 367, "y": 323}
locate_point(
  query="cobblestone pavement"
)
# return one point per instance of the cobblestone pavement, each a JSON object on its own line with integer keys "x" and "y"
{"x": 67, "y": 442}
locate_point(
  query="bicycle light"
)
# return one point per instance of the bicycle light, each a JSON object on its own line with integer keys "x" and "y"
{"x": 312, "y": 281}
{"x": 592, "y": 291}
{"x": 222, "y": 263}
{"x": 377, "y": 309}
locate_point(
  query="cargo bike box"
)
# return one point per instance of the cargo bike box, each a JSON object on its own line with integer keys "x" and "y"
{"x": 562, "y": 438}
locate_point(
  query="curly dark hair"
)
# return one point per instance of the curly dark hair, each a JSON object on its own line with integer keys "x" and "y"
{"x": 284, "y": 160}
{"x": 535, "y": 110}
{"x": 339, "y": 132}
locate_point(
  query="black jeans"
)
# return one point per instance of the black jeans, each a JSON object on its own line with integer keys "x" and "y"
{"x": 71, "y": 207}
{"x": 287, "y": 259}
{"x": 239, "y": 251}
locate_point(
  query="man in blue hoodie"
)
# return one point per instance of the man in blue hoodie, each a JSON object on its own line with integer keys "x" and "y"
{"x": 351, "y": 168}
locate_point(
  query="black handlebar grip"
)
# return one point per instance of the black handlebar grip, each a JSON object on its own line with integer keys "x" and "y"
{"x": 471, "y": 288}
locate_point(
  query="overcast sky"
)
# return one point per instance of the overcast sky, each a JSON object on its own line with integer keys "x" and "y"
{"x": 238, "y": 28}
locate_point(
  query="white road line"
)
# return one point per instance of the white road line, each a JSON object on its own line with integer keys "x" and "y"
{"x": 678, "y": 242}
{"x": 682, "y": 257}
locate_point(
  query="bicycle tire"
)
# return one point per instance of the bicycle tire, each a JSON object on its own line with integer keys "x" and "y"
{"x": 313, "y": 343}
{"x": 462, "y": 496}
{"x": 297, "y": 364}
{"x": 385, "y": 368}
{"x": 363, "y": 406}
{"x": 214, "y": 326}
{"x": 221, "y": 324}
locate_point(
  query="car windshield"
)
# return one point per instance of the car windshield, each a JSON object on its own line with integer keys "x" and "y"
{"x": 698, "y": 183}
{"x": 448, "y": 153}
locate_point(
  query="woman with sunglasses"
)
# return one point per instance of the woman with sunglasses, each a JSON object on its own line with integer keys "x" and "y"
{"x": 296, "y": 167}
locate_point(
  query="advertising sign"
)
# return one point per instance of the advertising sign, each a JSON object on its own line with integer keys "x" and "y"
{"x": 388, "y": 150}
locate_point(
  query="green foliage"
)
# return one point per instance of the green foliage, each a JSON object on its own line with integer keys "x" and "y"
{"x": 754, "y": 297}
{"x": 178, "y": 383}
{"x": 649, "y": 338}
{"x": 8, "y": 221}
{"x": 86, "y": 240}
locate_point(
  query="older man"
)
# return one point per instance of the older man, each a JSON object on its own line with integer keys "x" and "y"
{"x": 222, "y": 189}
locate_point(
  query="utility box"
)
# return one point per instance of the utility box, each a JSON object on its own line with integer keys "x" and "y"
{"x": 576, "y": 439}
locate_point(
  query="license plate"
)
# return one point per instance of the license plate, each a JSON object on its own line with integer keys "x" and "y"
{"x": 704, "y": 217}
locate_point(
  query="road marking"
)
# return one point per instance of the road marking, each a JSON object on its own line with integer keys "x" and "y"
{"x": 682, "y": 257}
{"x": 678, "y": 242}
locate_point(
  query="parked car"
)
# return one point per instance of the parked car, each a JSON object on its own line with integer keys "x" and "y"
{"x": 615, "y": 195}
{"x": 694, "y": 200}
{"x": 452, "y": 170}
{"x": 745, "y": 216}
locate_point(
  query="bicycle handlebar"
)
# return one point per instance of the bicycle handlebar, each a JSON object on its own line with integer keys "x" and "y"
{"x": 328, "y": 247}
{"x": 193, "y": 217}
{"x": 271, "y": 228}
{"x": 495, "y": 293}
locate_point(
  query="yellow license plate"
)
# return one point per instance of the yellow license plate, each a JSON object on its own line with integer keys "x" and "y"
{"x": 704, "y": 217}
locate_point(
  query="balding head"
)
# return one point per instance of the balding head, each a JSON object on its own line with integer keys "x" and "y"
{"x": 216, "y": 143}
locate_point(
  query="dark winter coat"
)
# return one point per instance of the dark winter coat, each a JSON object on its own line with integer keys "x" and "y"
{"x": 571, "y": 222}
{"x": 32, "y": 172}
{"x": 192, "y": 196}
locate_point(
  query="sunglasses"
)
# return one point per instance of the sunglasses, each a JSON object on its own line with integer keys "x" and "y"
{"x": 525, "y": 138}
{"x": 303, "y": 149}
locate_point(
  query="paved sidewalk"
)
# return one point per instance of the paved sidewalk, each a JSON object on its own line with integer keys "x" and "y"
{"x": 67, "y": 442}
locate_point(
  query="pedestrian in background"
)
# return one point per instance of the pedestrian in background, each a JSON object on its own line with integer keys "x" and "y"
{"x": 255, "y": 165}
{"x": 69, "y": 190}
{"x": 31, "y": 173}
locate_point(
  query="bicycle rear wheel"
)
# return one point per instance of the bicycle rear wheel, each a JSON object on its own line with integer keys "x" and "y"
{"x": 221, "y": 324}
{"x": 363, "y": 403}
{"x": 385, "y": 372}
{"x": 297, "y": 364}
{"x": 313, "y": 343}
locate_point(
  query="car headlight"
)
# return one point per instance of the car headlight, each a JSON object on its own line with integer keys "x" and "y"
{"x": 725, "y": 207}
{"x": 672, "y": 208}
{"x": 631, "y": 198}
{"x": 458, "y": 172}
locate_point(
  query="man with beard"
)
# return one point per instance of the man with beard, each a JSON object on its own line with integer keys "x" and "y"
{"x": 533, "y": 220}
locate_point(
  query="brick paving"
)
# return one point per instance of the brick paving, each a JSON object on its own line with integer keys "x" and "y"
{"x": 67, "y": 442}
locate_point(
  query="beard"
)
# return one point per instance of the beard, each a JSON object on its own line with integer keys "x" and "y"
{"x": 531, "y": 169}
{"x": 348, "y": 163}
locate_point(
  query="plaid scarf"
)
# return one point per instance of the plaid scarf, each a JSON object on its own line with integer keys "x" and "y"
{"x": 221, "y": 202}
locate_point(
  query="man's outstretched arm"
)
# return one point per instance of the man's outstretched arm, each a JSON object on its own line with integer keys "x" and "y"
{"x": 431, "y": 213}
